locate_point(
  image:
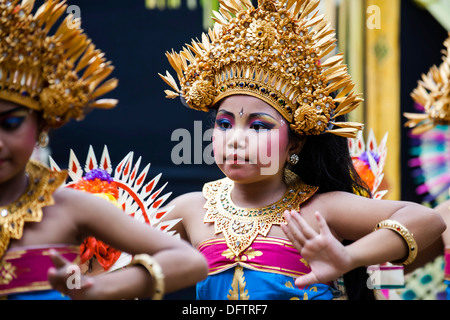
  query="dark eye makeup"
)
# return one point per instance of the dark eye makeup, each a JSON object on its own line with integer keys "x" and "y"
{"x": 256, "y": 121}
{"x": 12, "y": 119}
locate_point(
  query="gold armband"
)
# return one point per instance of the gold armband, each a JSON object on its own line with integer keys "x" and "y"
{"x": 155, "y": 271}
{"x": 405, "y": 234}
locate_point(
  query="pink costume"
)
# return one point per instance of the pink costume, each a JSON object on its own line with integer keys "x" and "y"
{"x": 24, "y": 272}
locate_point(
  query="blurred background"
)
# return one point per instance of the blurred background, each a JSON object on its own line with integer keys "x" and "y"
{"x": 388, "y": 45}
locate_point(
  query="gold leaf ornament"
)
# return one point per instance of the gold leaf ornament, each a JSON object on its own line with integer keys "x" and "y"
{"x": 201, "y": 94}
{"x": 309, "y": 120}
{"x": 261, "y": 35}
{"x": 238, "y": 284}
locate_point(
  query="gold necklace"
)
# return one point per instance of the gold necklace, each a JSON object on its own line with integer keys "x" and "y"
{"x": 240, "y": 226}
{"x": 28, "y": 208}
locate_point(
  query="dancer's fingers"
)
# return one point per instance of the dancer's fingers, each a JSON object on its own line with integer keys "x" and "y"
{"x": 305, "y": 228}
{"x": 293, "y": 232}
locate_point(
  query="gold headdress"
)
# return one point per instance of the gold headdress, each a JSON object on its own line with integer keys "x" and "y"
{"x": 272, "y": 52}
{"x": 433, "y": 93}
{"x": 40, "y": 71}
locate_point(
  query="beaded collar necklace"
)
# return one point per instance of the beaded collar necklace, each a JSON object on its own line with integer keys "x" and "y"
{"x": 28, "y": 208}
{"x": 240, "y": 226}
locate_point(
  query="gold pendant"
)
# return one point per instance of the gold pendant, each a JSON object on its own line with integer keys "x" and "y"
{"x": 240, "y": 226}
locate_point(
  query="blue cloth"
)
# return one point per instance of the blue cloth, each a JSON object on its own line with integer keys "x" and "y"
{"x": 240, "y": 283}
{"x": 38, "y": 295}
{"x": 447, "y": 290}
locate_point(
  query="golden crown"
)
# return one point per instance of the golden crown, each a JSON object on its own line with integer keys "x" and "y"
{"x": 272, "y": 52}
{"x": 40, "y": 71}
{"x": 433, "y": 93}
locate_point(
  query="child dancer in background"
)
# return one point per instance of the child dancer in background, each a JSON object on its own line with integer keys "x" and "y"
{"x": 433, "y": 94}
{"x": 40, "y": 88}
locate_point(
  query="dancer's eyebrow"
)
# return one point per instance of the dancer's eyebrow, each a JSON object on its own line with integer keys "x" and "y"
{"x": 261, "y": 115}
{"x": 5, "y": 113}
{"x": 228, "y": 113}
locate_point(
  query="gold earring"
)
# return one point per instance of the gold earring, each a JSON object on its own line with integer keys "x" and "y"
{"x": 43, "y": 139}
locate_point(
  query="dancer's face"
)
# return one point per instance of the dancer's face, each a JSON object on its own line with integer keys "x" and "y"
{"x": 251, "y": 139}
{"x": 18, "y": 135}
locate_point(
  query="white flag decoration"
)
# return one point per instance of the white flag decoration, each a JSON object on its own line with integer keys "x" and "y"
{"x": 137, "y": 197}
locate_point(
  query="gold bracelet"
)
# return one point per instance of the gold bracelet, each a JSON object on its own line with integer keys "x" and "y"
{"x": 405, "y": 234}
{"x": 153, "y": 267}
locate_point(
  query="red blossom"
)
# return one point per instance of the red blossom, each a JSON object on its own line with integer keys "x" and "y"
{"x": 105, "y": 254}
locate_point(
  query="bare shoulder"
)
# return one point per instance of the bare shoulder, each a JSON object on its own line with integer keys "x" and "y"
{"x": 322, "y": 201}
{"x": 72, "y": 198}
{"x": 63, "y": 195}
{"x": 72, "y": 203}
{"x": 330, "y": 205}
{"x": 188, "y": 204}
{"x": 443, "y": 207}
{"x": 333, "y": 195}
{"x": 190, "y": 208}
{"x": 337, "y": 199}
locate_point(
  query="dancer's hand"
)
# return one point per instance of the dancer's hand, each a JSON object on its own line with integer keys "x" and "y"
{"x": 65, "y": 279}
{"x": 326, "y": 256}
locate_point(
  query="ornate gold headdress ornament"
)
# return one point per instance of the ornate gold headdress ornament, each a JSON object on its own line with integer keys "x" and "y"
{"x": 40, "y": 71}
{"x": 433, "y": 93}
{"x": 272, "y": 52}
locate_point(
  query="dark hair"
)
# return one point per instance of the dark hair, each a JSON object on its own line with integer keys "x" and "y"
{"x": 325, "y": 162}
